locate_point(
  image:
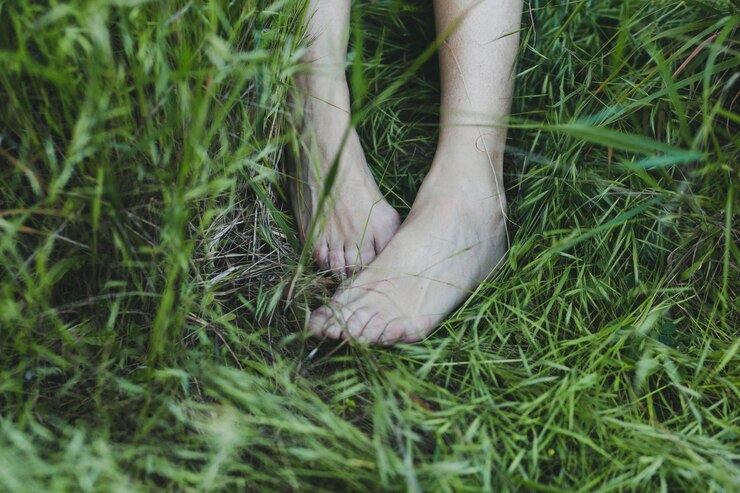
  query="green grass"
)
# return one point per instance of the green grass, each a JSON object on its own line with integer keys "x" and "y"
{"x": 152, "y": 289}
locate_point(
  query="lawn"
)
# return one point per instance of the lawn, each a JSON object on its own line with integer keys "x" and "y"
{"x": 153, "y": 290}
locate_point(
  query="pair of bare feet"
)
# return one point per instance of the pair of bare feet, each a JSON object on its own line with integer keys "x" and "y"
{"x": 400, "y": 280}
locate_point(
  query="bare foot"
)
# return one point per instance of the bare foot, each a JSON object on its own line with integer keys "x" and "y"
{"x": 452, "y": 240}
{"x": 355, "y": 222}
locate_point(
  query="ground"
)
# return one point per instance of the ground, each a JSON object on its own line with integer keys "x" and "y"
{"x": 153, "y": 289}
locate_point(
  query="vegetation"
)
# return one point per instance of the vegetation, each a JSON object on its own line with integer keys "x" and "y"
{"x": 152, "y": 289}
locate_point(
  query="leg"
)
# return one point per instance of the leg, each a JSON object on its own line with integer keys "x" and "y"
{"x": 355, "y": 222}
{"x": 455, "y": 234}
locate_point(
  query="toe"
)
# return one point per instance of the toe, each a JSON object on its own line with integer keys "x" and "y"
{"x": 319, "y": 320}
{"x": 356, "y": 259}
{"x": 330, "y": 322}
{"x": 351, "y": 261}
{"x": 358, "y": 324}
{"x": 390, "y": 334}
{"x": 325, "y": 323}
{"x": 321, "y": 256}
{"x": 337, "y": 326}
{"x": 336, "y": 261}
{"x": 399, "y": 330}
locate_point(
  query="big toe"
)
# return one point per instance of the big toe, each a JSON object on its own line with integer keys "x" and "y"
{"x": 332, "y": 322}
{"x": 321, "y": 256}
{"x": 319, "y": 320}
{"x": 344, "y": 323}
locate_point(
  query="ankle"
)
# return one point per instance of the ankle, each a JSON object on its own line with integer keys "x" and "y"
{"x": 473, "y": 142}
{"x": 465, "y": 173}
{"x": 479, "y": 204}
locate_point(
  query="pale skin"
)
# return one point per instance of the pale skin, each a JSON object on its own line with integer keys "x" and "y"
{"x": 402, "y": 282}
